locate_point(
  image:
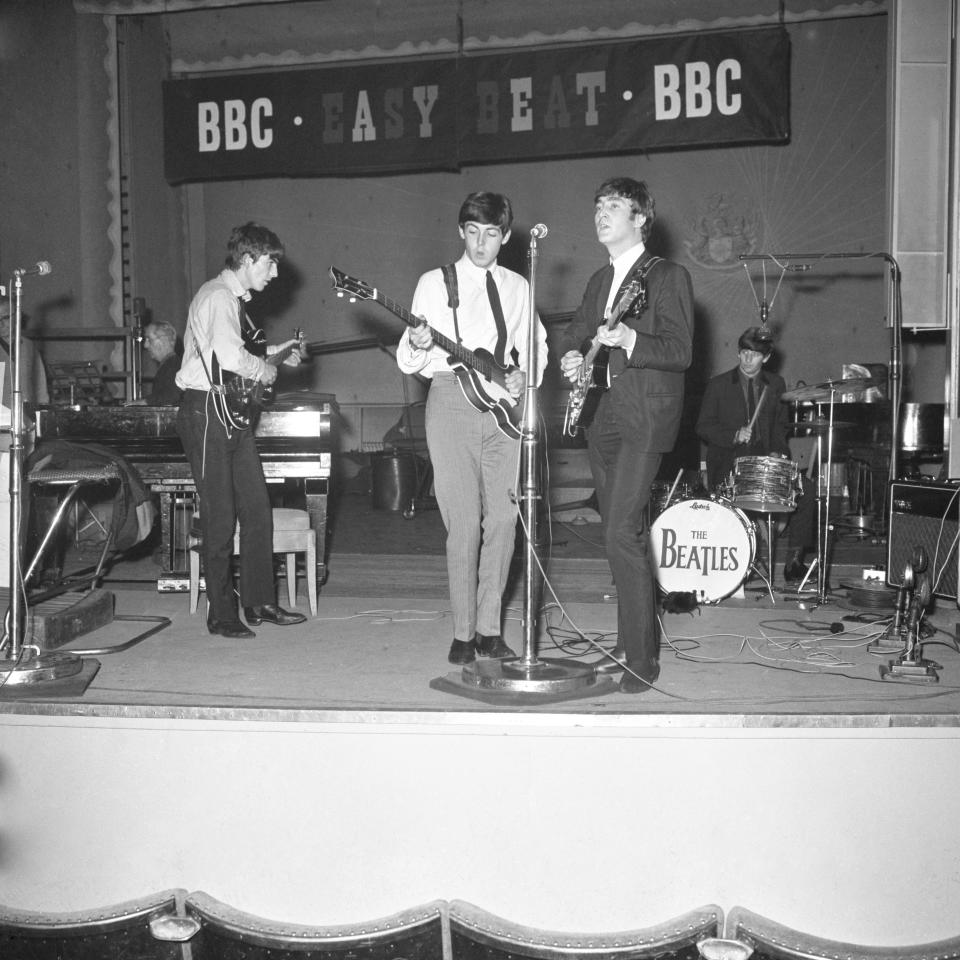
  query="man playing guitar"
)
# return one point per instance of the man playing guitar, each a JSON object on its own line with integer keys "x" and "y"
{"x": 482, "y": 305}
{"x": 222, "y": 453}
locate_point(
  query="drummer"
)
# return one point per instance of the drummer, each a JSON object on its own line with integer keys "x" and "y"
{"x": 742, "y": 416}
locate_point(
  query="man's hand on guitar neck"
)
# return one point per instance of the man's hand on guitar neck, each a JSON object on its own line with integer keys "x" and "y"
{"x": 619, "y": 336}
{"x": 421, "y": 336}
{"x": 571, "y": 364}
{"x": 294, "y": 346}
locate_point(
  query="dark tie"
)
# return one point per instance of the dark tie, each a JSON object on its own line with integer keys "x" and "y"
{"x": 751, "y": 399}
{"x": 497, "y": 309}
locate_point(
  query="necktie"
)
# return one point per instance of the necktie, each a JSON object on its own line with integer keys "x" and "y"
{"x": 751, "y": 399}
{"x": 494, "y": 297}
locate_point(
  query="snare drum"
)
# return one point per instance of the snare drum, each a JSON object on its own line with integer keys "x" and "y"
{"x": 766, "y": 484}
{"x": 702, "y": 546}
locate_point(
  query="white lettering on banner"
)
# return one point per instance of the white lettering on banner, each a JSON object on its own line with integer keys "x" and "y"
{"x": 363, "y": 128}
{"x": 694, "y": 97}
{"x": 521, "y": 89}
{"x": 557, "y": 113}
{"x": 425, "y": 98}
{"x": 592, "y": 83}
{"x": 238, "y": 128}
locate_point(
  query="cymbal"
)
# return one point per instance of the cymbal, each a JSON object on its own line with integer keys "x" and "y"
{"x": 819, "y": 423}
{"x": 830, "y": 388}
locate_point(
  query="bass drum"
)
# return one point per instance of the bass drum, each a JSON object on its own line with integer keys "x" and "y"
{"x": 704, "y": 547}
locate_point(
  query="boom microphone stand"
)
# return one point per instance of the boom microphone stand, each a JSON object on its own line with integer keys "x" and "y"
{"x": 23, "y": 664}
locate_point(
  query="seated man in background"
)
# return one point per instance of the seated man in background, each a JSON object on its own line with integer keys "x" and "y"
{"x": 160, "y": 339}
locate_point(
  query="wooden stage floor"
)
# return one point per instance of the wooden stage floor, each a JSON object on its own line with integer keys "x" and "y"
{"x": 377, "y": 647}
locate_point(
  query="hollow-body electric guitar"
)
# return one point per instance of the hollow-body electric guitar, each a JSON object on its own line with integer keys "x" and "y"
{"x": 594, "y": 373}
{"x": 481, "y": 378}
{"x": 239, "y": 399}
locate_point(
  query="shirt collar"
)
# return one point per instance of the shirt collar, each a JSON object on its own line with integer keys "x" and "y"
{"x": 233, "y": 285}
{"x": 628, "y": 258}
{"x": 478, "y": 274}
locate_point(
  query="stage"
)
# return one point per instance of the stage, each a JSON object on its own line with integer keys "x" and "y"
{"x": 379, "y": 642}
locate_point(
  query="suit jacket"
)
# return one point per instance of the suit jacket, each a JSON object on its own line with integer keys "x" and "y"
{"x": 724, "y": 410}
{"x": 647, "y": 396}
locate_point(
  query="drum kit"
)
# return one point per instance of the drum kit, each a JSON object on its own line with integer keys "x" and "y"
{"x": 706, "y": 545}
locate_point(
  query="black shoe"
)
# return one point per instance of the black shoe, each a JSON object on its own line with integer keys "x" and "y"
{"x": 641, "y": 683}
{"x": 794, "y": 570}
{"x": 271, "y": 613}
{"x": 462, "y": 651}
{"x": 614, "y": 662}
{"x": 493, "y": 647}
{"x": 234, "y": 629}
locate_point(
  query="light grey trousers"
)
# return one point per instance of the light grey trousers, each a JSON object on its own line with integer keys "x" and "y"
{"x": 475, "y": 471}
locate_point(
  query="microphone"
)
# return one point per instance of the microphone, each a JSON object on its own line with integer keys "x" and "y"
{"x": 41, "y": 268}
{"x": 539, "y": 231}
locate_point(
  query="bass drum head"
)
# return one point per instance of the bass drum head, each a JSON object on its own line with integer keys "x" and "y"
{"x": 702, "y": 546}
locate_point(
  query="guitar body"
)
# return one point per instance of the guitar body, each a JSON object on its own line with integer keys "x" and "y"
{"x": 239, "y": 400}
{"x": 481, "y": 378}
{"x": 490, "y": 396}
{"x": 585, "y": 396}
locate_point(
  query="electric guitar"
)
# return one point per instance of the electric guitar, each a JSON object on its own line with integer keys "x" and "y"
{"x": 239, "y": 399}
{"x": 594, "y": 373}
{"x": 481, "y": 378}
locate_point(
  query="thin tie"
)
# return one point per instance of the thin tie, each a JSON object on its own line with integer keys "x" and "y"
{"x": 494, "y": 295}
{"x": 606, "y": 283}
{"x": 751, "y": 399}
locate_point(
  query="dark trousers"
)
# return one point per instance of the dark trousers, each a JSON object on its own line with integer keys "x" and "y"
{"x": 623, "y": 473}
{"x": 229, "y": 478}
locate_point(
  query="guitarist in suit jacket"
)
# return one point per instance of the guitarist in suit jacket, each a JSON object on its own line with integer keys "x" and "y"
{"x": 638, "y": 416}
{"x": 223, "y": 456}
{"x": 484, "y": 307}
{"x": 724, "y": 426}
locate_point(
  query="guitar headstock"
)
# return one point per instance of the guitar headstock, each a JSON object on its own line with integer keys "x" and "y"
{"x": 351, "y": 287}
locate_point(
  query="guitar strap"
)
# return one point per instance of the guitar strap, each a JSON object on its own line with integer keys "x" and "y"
{"x": 453, "y": 294}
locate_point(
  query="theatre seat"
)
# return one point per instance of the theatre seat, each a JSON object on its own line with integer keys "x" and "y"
{"x": 229, "y": 934}
{"x": 773, "y": 941}
{"x": 476, "y": 934}
{"x": 120, "y": 932}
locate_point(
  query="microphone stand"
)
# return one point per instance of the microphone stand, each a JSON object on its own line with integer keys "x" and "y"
{"x": 22, "y": 664}
{"x": 528, "y": 673}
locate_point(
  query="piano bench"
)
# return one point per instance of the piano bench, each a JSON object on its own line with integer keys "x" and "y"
{"x": 292, "y": 534}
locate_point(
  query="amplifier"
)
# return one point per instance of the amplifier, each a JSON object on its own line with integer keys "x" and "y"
{"x": 924, "y": 515}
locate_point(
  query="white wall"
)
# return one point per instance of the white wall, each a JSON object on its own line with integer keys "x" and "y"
{"x": 552, "y": 822}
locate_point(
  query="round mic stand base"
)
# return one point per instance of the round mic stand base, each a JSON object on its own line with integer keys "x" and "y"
{"x": 553, "y": 677}
{"x": 38, "y": 667}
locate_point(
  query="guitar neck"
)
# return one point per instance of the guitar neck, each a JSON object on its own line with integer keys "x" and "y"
{"x": 456, "y": 350}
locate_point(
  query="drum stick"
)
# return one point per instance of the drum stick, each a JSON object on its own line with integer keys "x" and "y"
{"x": 753, "y": 419}
{"x": 674, "y": 487}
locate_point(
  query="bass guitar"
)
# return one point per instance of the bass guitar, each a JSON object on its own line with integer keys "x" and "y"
{"x": 240, "y": 399}
{"x": 481, "y": 378}
{"x": 594, "y": 373}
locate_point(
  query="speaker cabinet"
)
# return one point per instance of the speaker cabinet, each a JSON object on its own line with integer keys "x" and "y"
{"x": 924, "y": 515}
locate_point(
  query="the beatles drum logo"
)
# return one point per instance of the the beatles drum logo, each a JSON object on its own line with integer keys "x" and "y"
{"x": 705, "y": 546}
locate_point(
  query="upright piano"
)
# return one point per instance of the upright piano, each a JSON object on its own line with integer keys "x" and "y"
{"x": 294, "y": 435}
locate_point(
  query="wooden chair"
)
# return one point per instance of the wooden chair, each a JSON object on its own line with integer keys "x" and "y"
{"x": 292, "y": 534}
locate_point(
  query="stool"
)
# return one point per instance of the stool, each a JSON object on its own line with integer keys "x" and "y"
{"x": 292, "y": 534}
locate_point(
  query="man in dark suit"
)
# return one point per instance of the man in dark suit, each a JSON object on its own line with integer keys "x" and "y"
{"x": 742, "y": 415}
{"x": 638, "y": 415}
